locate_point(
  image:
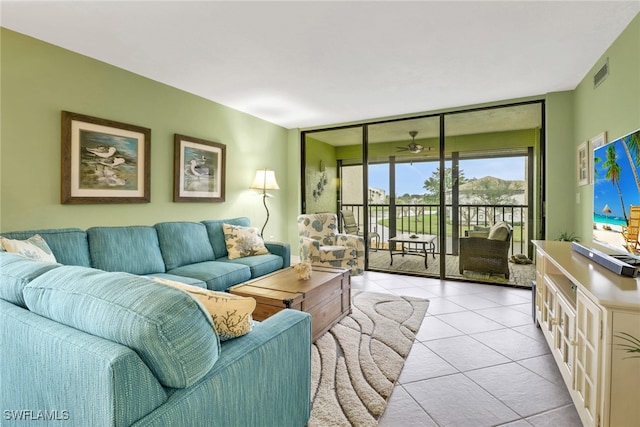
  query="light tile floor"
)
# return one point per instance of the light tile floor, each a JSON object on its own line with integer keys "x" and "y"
{"x": 478, "y": 359}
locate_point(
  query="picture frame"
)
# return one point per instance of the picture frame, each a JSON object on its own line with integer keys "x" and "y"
{"x": 104, "y": 161}
{"x": 582, "y": 165}
{"x": 199, "y": 170}
{"x": 595, "y": 142}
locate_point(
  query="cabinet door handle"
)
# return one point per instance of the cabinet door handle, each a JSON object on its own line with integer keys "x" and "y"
{"x": 573, "y": 343}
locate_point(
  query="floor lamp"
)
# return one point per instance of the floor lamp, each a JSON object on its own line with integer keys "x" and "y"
{"x": 265, "y": 180}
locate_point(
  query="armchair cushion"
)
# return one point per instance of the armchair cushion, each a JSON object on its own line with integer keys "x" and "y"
{"x": 333, "y": 253}
{"x": 499, "y": 231}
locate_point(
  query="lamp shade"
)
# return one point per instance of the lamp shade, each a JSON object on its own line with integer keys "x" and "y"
{"x": 265, "y": 180}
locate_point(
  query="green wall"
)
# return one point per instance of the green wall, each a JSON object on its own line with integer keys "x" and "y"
{"x": 560, "y": 159}
{"x": 323, "y": 183}
{"x": 613, "y": 107}
{"x": 40, "y": 80}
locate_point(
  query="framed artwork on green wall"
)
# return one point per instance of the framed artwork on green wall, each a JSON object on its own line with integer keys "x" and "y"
{"x": 104, "y": 161}
{"x": 582, "y": 164}
{"x": 198, "y": 169}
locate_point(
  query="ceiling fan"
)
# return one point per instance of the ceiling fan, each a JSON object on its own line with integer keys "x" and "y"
{"x": 412, "y": 147}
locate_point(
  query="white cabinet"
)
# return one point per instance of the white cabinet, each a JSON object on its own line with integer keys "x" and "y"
{"x": 588, "y": 359}
{"x": 585, "y": 313}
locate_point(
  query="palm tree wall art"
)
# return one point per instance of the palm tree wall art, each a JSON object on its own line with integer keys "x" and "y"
{"x": 616, "y": 188}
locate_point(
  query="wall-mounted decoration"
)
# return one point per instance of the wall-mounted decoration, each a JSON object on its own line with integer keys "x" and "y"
{"x": 322, "y": 182}
{"x": 595, "y": 142}
{"x": 582, "y": 164}
{"x": 198, "y": 169}
{"x": 104, "y": 161}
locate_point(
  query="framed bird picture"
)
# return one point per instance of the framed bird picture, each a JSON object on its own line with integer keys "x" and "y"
{"x": 198, "y": 169}
{"x": 104, "y": 161}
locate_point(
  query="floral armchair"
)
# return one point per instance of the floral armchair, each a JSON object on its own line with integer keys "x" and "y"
{"x": 322, "y": 244}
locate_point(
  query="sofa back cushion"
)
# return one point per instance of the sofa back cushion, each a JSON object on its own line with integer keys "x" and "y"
{"x": 184, "y": 243}
{"x": 216, "y": 233}
{"x": 16, "y": 272}
{"x": 168, "y": 329}
{"x": 69, "y": 245}
{"x": 132, "y": 249}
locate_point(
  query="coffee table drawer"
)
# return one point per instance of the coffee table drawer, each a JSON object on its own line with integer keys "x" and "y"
{"x": 324, "y": 316}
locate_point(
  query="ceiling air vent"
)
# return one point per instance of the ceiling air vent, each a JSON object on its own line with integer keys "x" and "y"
{"x": 601, "y": 74}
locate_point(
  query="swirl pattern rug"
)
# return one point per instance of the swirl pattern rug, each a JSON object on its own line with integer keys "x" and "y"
{"x": 355, "y": 365}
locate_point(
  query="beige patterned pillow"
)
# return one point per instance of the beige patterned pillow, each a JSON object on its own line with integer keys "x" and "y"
{"x": 34, "y": 248}
{"x": 243, "y": 241}
{"x": 231, "y": 314}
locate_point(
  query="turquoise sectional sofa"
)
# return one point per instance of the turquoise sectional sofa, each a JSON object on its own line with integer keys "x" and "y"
{"x": 91, "y": 341}
{"x": 190, "y": 252}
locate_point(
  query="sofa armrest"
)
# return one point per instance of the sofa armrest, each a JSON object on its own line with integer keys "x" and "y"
{"x": 84, "y": 378}
{"x": 281, "y": 249}
{"x": 261, "y": 379}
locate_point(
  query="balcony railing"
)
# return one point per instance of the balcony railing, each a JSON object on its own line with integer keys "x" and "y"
{"x": 424, "y": 219}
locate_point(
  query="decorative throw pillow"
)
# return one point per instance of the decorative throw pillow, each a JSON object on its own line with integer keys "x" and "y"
{"x": 34, "y": 248}
{"x": 243, "y": 241}
{"x": 231, "y": 314}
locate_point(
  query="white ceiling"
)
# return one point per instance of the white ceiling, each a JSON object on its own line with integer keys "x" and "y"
{"x": 313, "y": 63}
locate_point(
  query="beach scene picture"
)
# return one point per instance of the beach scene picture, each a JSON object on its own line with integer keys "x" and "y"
{"x": 616, "y": 191}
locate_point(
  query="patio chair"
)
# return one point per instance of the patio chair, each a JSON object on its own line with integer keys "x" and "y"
{"x": 350, "y": 226}
{"x": 486, "y": 251}
{"x": 322, "y": 244}
{"x": 630, "y": 232}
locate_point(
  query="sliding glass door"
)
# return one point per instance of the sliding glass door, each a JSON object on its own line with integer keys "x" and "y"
{"x": 417, "y": 186}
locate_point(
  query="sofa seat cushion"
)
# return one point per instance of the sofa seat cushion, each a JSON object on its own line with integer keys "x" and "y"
{"x": 132, "y": 249}
{"x": 184, "y": 243}
{"x": 336, "y": 253}
{"x": 219, "y": 276}
{"x": 259, "y": 265}
{"x": 216, "y": 233}
{"x": 168, "y": 329}
{"x": 69, "y": 245}
{"x": 16, "y": 272}
{"x": 182, "y": 279}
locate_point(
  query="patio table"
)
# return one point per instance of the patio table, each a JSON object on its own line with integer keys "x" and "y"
{"x": 427, "y": 241}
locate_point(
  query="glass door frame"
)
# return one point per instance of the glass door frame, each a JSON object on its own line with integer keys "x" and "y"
{"x": 535, "y": 216}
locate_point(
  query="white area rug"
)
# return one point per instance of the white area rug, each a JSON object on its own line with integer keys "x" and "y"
{"x": 356, "y": 364}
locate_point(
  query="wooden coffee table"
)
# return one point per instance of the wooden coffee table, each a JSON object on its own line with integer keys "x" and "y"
{"x": 326, "y": 295}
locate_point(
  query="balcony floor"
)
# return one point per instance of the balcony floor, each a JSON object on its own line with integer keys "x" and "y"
{"x": 520, "y": 275}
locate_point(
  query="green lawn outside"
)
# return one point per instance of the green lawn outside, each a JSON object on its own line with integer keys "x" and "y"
{"x": 417, "y": 224}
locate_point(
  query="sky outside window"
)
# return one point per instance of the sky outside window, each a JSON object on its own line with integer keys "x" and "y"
{"x": 410, "y": 177}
